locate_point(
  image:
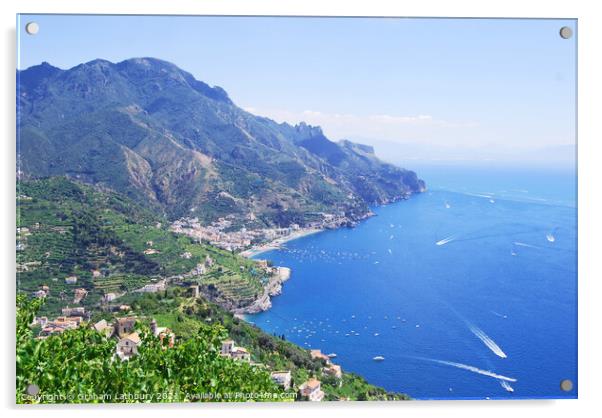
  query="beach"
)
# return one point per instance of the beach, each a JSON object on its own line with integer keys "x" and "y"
{"x": 278, "y": 242}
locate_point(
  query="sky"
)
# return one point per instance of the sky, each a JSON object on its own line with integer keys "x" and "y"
{"x": 482, "y": 90}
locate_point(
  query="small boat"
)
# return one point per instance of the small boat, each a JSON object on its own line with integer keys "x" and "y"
{"x": 378, "y": 358}
{"x": 550, "y": 238}
{"x": 376, "y": 334}
{"x": 332, "y": 355}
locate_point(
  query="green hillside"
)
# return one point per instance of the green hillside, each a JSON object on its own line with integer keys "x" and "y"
{"x": 151, "y": 131}
{"x": 70, "y": 229}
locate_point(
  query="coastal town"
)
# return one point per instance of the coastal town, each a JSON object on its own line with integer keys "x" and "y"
{"x": 225, "y": 233}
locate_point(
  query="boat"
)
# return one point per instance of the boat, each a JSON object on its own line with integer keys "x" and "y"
{"x": 378, "y": 358}
{"x": 332, "y": 355}
{"x": 550, "y": 238}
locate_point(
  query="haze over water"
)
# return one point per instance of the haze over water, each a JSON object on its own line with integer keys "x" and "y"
{"x": 467, "y": 290}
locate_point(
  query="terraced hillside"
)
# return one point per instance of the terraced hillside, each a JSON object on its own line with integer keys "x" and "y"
{"x": 73, "y": 236}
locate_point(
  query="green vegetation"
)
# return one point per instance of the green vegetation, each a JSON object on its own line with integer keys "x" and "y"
{"x": 184, "y": 315}
{"x": 78, "y": 366}
{"x": 71, "y": 229}
{"x": 149, "y": 130}
{"x": 67, "y": 228}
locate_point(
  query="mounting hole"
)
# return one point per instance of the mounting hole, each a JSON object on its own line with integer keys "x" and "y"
{"x": 566, "y": 32}
{"x": 33, "y": 389}
{"x": 566, "y": 385}
{"x": 32, "y": 28}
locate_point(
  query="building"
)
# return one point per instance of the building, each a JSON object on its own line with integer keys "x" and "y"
{"x": 109, "y": 297}
{"x": 282, "y": 378}
{"x": 317, "y": 354}
{"x": 240, "y": 353}
{"x": 104, "y": 328}
{"x": 76, "y": 311}
{"x": 229, "y": 349}
{"x": 151, "y": 251}
{"x": 333, "y": 370}
{"x": 79, "y": 294}
{"x": 59, "y": 325}
{"x": 312, "y": 390}
{"x": 127, "y": 346}
{"x": 124, "y": 326}
{"x": 96, "y": 274}
{"x": 199, "y": 270}
{"x": 163, "y": 333}
{"x": 71, "y": 279}
{"x": 41, "y": 321}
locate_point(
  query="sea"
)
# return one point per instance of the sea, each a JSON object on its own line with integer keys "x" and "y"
{"x": 466, "y": 291}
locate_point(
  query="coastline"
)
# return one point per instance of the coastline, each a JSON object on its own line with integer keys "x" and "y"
{"x": 278, "y": 242}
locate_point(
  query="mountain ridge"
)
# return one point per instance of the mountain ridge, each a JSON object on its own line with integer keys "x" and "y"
{"x": 150, "y": 130}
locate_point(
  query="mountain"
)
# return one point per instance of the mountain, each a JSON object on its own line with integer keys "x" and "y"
{"x": 147, "y": 129}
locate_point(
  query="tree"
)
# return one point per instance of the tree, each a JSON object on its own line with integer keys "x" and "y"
{"x": 79, "y": 366}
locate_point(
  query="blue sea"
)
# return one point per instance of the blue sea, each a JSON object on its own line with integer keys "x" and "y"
{"x": 468, "y": 290}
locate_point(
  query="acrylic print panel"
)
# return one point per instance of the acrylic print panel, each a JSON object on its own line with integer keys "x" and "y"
{"x": 364, "y": 209}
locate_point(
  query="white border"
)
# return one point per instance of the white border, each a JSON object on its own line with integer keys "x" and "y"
{"x": 590, "y": 208}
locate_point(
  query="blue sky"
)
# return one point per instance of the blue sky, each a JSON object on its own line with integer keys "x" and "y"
{"x": 417, "y": 89}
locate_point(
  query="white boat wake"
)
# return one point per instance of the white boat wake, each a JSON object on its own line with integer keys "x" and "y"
{"x": 478, "y": 332}
{"x": 470, "y": 369}
{"x": 506, "y": 386}
{"x": 446, "y": 240}
{"x": 522, "y": 244}
{"x": 499, "y": 314}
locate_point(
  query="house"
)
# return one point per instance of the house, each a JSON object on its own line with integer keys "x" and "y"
{"x": 240, "y": 353}
{"x": 40, "y": 294}
{"x": 153, "y": 287}
{"x": 79, "y": 294}
{"x": 127, "y": 346}
{"x": 208, "y": 261}
{"x": 186, "y": 255}
{"x": 103, "y": 327}
{"x": 199, "y": 270}
{"x": 151, "y": 251}
{"x": 109, "y": 297}
{"x": 124, "y": 326}
{"x": 124, "y": 308}
{"x": 41, "y": 321}
{"x": 71, "y": 279}
{"x": 163, "y": 333}
{"x": 311, "y": 390}
{"x": 96, "y": 274}
{"x": 229, "y": 349}
{"x": 76, "y": 311}
{"x": 59, "y": 325}
{"x": 333, "y": 370}
{"x": 317, "y": 354}
{"x": 282, "y": 378}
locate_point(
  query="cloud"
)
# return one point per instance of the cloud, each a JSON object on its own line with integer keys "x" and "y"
{"x": 396, "y": 128}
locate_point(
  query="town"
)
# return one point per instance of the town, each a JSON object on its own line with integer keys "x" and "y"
{"x": 225, "y": 233}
